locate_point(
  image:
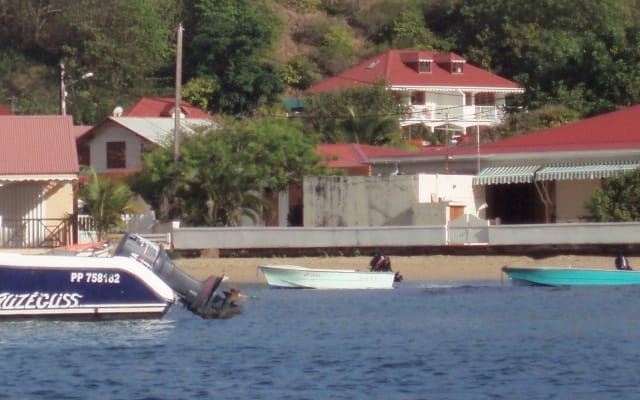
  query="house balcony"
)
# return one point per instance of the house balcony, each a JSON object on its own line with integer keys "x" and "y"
{"x": 433, "y": 115}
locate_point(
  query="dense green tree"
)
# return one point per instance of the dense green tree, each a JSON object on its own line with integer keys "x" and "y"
{"x": 300, "y": 73}
{"x": 26, "y": 83}
{"x": 399, "y": 24}
{"x": 580, "y": 53}
{"x": 337, "y": 51}
{"x": 618, "y": 200}
{"x": 124, "y": 43}
{"x": 226, "y": 175}
{"x": 530, "y": 121}
{"x": 228, "y": 41}
{"x": 560, "y": 50}
{"x": 26, "y": 24}
{"x": 198, "y": 91}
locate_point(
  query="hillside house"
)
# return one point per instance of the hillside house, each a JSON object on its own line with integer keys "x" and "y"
{"x": 438, "y": 91}
{"x": 116, "y": 144}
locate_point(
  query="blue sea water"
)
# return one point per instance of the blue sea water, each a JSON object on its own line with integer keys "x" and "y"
{"x": 437, "y": 340}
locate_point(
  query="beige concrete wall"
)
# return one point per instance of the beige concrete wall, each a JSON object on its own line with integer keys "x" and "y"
{"x": 570, "y": 199}
{"x": 402, "y": 200}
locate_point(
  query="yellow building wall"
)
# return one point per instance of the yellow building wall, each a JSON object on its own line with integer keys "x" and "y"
{"x": 60, "y": 200}
{"x": 571, "y": 197}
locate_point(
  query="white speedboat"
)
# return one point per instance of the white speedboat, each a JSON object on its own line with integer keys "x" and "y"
{"x": 296, "y": 277}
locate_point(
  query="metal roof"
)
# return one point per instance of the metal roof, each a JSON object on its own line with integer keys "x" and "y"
{"x": 37, "y": 145}
{"x": 158, "y": 130}
{"x": 584, "y": 171}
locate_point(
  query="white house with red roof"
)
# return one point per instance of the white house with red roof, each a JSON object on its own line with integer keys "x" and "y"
{"x": 38, "y": 173}
{"x": 116, "y": 144}
{"x": 435, "y": 89}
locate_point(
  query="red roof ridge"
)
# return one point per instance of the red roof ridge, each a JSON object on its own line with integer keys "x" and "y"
{"x": 163, "y": 107}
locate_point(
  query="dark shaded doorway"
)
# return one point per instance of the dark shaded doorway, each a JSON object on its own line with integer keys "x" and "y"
{"x": 513, "y": 203}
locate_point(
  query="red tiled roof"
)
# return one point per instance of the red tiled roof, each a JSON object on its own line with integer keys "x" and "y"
{"x": 391, "y": 67}
{"x": 37, "y": 144}
{"x": 4, "y": 111}
{"x": 163, "y": 107}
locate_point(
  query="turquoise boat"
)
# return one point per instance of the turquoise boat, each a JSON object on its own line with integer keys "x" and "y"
{"x": 570, "y": 276}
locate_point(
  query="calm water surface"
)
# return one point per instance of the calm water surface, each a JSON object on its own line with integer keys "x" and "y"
{"x": 477, "y": 340}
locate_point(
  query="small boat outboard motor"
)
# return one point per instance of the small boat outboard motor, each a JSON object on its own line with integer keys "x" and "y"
{"x": 622, "y": 263}
{"x": 203, "y": 298}
{"x": 382, "y": 263}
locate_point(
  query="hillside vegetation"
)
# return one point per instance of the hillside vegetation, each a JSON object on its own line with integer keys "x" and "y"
{"x": 241, "y": 57}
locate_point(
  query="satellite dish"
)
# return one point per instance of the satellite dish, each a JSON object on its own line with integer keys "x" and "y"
{"x": 117, "y": 112}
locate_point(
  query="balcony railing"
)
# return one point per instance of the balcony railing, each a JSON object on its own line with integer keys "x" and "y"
{"x": 35, "y": 233}
{"x": 432, "y": 113}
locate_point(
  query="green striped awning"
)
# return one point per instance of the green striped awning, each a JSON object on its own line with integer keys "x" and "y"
{"x": 584, "y": 171}
{"x": 506, "y": 174}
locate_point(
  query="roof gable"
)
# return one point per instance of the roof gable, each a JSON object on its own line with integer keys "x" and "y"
{"x": 163, "y": 107}
{"x": 37, "y": 145}
{"x": 396, "y": 68}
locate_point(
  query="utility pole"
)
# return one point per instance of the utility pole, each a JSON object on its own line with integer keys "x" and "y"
{"x": 64, "y": 85}
{"x": 176, "y": 139}
{"x": 446, "y": 143}
{"x": 478, "y": 142}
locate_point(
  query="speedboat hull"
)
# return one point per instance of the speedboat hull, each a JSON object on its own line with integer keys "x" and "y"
{"x": 569, "y": 276}
{"x": 296, "y": 277}
{"x": 138, "y": 281}
{"x": 80, "y": 287}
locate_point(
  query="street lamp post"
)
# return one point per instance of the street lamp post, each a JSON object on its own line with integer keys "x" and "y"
{"x": 63, "y": 92}
{"x": 64, "y": 85}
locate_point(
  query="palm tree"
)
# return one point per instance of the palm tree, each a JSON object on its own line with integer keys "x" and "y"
{"x": 370, "y": 129}
{"x": 106, "y": 200}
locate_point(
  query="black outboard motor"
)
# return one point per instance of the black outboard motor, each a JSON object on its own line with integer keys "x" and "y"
{"x": 382, "y": 263}
{"x": 622, "y": 263}
{"x": 203, "y": 298}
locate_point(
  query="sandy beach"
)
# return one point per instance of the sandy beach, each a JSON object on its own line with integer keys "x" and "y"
{"x": 413, "y": 268}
